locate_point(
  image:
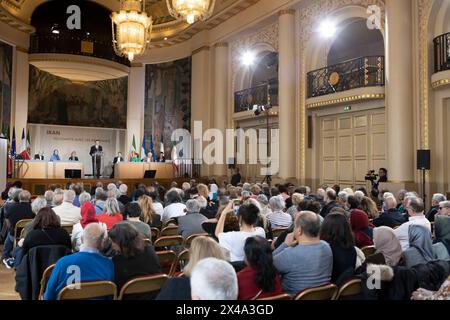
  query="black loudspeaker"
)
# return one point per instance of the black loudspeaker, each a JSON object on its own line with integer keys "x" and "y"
{"x": 149, "y": 174}
{"x": 423, "y": 160}
{"x": 72, "y": 174}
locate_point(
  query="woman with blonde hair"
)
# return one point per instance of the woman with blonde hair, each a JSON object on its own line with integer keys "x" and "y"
{"x": 369, "y": 207}
{"x": 179, "y": 288}
{"x": 296, "y": 199}
{"x": 203, "y": 190}
{"x": 149, "y": 215}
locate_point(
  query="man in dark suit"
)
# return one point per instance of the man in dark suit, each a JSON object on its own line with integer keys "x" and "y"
{"x": 117, "y": 159}
{"x": 39, "y": 156}
{"x": 96, "y": 154}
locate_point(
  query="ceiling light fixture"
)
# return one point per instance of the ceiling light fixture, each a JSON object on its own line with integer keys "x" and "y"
{"x": 191, "y": 10}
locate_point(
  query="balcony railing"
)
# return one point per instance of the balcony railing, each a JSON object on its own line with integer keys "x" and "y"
{"x": 351, "y": 74}
{"x": 75, "y": 45}
{"x": 260, "y": 95}
{"x": 442, "y": 52}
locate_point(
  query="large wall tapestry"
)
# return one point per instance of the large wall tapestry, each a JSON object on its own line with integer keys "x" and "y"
{"x": 5, "y": 86}
{"x": 56, "y": 100}
{"x": 167, "y": 102}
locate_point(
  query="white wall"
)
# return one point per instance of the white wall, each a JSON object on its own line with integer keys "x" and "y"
{"x": 79, "y": 139}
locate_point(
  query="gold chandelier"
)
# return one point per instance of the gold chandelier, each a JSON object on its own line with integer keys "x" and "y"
{"x": 191, "y": 10}
{"x": 131, "y": 29}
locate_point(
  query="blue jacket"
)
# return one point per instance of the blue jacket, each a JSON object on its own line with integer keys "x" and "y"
{"x": 92, "y": 267}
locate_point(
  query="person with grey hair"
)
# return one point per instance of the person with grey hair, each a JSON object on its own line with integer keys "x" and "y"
{"x": 191, "y": 223}
{"x": 48, "y": 195}
{"x": 67, "y": 212}
{"x": 390, "y": 217}
{"x": 58, "y": 197}
{"x": 265, "y": 209}
{"x": 99, "y": 201}
{"x": 444, "y": 208}
{"x": 123, "y": 195}
{"x": 16, "y": 212}
{"x": 278, "y": 218}
{"x": 92, "y": 265}
{"x": 359, "y": 195}
{"x": 330, "y": 202}
{"x": 435, "y": 200}
{"x": 400, "y": 197}
{"x": 342, "y": 199}
{"x": 303, "y": 260}
{"x": 112, "y": 214}
{"x": 84, "y": 197}
{"x": 415, "y": 209}
{"x": 214, "y": 279}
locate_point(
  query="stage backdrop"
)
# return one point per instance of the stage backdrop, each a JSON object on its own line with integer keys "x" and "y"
{"x": 167, "y": 102}
{"x": 56, "y": 100}
{"x": 5, "y": 86}
{"x": 46, "y": 138}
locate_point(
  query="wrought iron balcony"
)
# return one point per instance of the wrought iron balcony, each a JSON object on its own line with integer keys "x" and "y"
{"x": 87, "y": 46}
{"x": 442, "y": 52}
{"x": 264, "y": 94}
{"x": 351, "y": 74}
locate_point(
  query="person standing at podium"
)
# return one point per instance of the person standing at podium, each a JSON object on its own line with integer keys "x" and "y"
{"x": 96, "y": 154}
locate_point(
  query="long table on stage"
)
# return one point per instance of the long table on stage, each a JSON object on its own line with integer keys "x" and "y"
{"x": 136, "y": 170}
{"x": 37, "y": 169}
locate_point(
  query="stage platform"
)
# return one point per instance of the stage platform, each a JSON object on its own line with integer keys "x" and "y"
{"x": 39, "y": 186}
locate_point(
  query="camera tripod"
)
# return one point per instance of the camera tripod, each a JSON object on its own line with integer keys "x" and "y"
{"x": 268, "y": 179}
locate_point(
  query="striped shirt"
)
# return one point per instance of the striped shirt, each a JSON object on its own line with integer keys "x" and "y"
{"x": 279, "y": 219}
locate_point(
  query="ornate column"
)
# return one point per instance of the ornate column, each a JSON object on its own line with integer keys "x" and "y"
{"x": 399, "y": 91}
{"x": 135, "y": 109}
{"x": 20, "y": 93}
{"x": 220, "y": 98}
{"x": 286, "y": 93}
{"x": 201, "y": 107}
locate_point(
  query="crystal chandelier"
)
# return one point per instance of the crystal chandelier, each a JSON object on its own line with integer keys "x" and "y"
{"x": 191, "y": 10}
{"x": 131, "y": 29}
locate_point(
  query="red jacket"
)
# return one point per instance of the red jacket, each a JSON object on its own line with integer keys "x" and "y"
{"x": 248, "y": 289}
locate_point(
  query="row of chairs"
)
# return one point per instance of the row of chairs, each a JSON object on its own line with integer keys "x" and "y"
{"x": 20, "y": 228}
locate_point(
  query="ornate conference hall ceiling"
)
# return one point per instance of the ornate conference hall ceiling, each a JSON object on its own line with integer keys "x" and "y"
{"x": 17, "y": 13}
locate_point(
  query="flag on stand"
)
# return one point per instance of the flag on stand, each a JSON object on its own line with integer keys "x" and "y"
{"x": 143, "y": 150}
{"x": 24, "y": 142}
{"x": 174, "y": 157}
{"x": 13, "y": 143}
{"x": 28, "y": 139}
{"x": 133, "y": 144}
{"x": 152, "y": 149}
{"x": 161, "y": 146}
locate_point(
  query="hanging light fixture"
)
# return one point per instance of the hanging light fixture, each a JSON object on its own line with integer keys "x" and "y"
{"x": 131, "y": 29}
{"x": 191, "y": 10}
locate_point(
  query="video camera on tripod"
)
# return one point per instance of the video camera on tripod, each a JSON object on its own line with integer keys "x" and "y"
{"x": 372, "y": 177}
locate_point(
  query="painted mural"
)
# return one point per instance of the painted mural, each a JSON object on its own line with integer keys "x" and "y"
{"x": 5, "y": 86}
{"x": 59, "y": 101}
{"x": 167, "y": 102}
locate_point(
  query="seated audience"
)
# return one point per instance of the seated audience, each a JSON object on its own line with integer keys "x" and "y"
{"x": 421, "y": 249}
{"x": 336, "y": 231}
{"x": 48, "y": 195}
{"x": 442, "y": 231}
{"x": 369, "y": 207}
{"x": 330, "y": 202}
{"x": 259, "y": 278}
{"x": 278, "y": 218}
{"x": 179, "y": 288}
{"x": 133, "y": 213}
{"x": 444, "y": 208}
{"x": 58, "y": 197}
{"x": 174, "y": 208}
{"x": 92, "y": 265}
{"x": 157, "y": 205}
{"x": 123, "y": 194}
{"x": 191, "y": 223}
{"x": 388, "y": 249}
{"x": 414, "y": 207}
{"x": 36, "y": 206}
{"x": 362, "y": 231}
{"x": 135, "y": 257}
{"x": 46, "y": 231}
{"x": 304, "y": 260}
{"x": 17, "y": 211}
{"x": 213, "y": 279}
{"x": 99, "y": 200}
{"x": 234, "y": 241}
{"x": 442, "y": 294}
{"x": 87, "y": 216}
{"x": 149, "y": 215}
{"x": 391, "y": 217}
{"x": 437, "y": 198}
{"x": 67, "y": 212}
{"x": 112, "y": 214}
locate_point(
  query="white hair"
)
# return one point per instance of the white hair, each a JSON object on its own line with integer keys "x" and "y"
{"x": 111, "y": 186}
{"x": 69, "y": 196}
{"x": 112, "y": 206}
{"x": 388, "y": 195}
{"x": 343, "y": 196}
{"x": 246, "y": 186}
{"x": 38, "y": 204}
{"x": 277, "y": 203}
{"x": 439, "y": 197}
{"x": 192, "y": 206}
{"x": 123, "y": 188}
{"x": 48, "y": 195}
{"x": 214, "y": 279}
{"x": 84, "y": 197}
{"x": 359, "y": 195}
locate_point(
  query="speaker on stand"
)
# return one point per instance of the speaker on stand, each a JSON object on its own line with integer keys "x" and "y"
{"x": 423, "y": 164}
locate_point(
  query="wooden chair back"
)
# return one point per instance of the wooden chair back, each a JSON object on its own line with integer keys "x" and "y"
{"x": 325, "y": 292}
{"x": 277, "y": 231}
{"x": 188, "y": 240}
{"x": 68, "y": 228}
{"x": 180, "y": 262}
{"x": 45, "y": 276}
{"x": 169, "y": 231}
{"x": 349, "y": 289}
{"x": 18, "y": 229}
{"x": 283, "y": 296}
{"x": 88, "y": 290}
{"x": 167, "y": 260}
{"x": 368, "y": 250}
{"x": 143, "y": 285}
{"x": 155, "y": 233}
{"x": 164, "y": 242}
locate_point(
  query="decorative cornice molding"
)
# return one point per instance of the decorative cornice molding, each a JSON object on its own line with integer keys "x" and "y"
{"x": 221, "y": 45}
{"x": 440, "y": 83}
{"x": 21, "y": 49}
{"x": 286, "y": 11}
{"x": 14, "y": 22}
{"x": 203, "y": 48}
{"x": 354, "y": 98}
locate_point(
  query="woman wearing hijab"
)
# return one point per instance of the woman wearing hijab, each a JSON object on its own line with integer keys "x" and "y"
{"x": 442, "y": 231}
{"x": 88, "y": 215}
{"x": 362, "y": 230}
{"x": 388, "y": 249}
{"x": 420, "y": 246}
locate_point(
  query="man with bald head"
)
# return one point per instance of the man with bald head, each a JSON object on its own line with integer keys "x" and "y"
{"x": 303, "y": 260}
{"x": 86, "y": 265}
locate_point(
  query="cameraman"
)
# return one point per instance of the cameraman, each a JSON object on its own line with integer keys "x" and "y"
{"x": 382, "y": 173}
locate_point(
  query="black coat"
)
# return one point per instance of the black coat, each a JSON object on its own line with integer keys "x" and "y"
{"x": 178, "y": 288}
{"x": 392, "y": 218}
{"x": 327, "y": 208}
{"x": 33, "y": 265}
